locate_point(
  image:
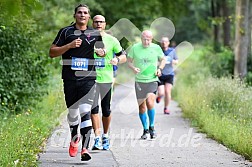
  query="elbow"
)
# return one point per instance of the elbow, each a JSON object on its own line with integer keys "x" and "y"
{"x": 53, "y": 52}
{"x": 130, "y": 65}
{"x": 123, "y": 59}
{"x": 51, "y": 55}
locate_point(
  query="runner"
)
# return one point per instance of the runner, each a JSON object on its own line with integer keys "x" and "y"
{"x": 143, "y": 59}
{"x": 104, "y": 81}
{"x": 76, "y": 45}
{"x": 167, "y": 77}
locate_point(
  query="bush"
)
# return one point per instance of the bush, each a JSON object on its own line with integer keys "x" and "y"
{"x": 22, "y": 67}
{"x": 220, "y": 63}
{"x": 24, "y": 135}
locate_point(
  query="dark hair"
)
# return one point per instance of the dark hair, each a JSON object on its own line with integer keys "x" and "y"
{"x": 81, "y": 5}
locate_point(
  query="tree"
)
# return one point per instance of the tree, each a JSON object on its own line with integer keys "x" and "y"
{"x": 250, "y": 27}
{"x": 226, "y": 23}
{"x": 242, "y": 38}
{"x": 215, "y": 7}
{"x": 17, "y": 8}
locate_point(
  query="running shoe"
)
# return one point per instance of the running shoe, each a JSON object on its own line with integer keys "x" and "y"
{"x": 145, "y": 132}
{"x": 166, "y": 111}
{"x": 158, "y": 99}
{"x": 73, "y": 148}
{"x": 153, "y": 133}
{"x": 97, "y": 143}
{"x": 105, "y": 143}
{"x": 85, "y": 156}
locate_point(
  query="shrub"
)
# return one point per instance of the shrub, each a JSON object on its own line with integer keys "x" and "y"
{"x": 220, "y": 63}
{"x": 22, "y": 67}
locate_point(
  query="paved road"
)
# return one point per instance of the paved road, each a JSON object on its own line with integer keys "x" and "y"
{"x": 177, "y": 144}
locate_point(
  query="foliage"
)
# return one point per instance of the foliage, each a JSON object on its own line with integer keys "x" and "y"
{"x": 220, "y": 63}
{"x": 18, "y": 8}
{"x": 23, "y": 135}
{"x": 148, "y": 10}
{"x": 248, "y": 78}
{"x": 58, "y": 14}
{"x": 197, "y": 27}
{"x": 22, "y": 66}
{"x": 220, "y": 107}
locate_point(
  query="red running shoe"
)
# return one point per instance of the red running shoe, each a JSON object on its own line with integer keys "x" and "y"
{"x": 85, "y": 156}
{"x": 73, "y": 148}
{"x": 158, "y": 99}
{"x": 166, "y": 111}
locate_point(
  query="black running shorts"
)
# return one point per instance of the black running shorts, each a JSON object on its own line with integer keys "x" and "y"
{"x": 166, "y": 79}
{"x": 79, "y": 92}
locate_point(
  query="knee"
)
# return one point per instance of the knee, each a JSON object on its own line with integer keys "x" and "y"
{"x": 106, "y": 113}
{"x": 73, "y": 117}
{"x": 95, "y": 110}
{"x": 142, "y": 108}
{"x": 150, "y": 104}
{"x": 85, "y": 108}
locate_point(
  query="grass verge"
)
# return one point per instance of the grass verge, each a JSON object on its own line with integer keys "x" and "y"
{"x": 220, "y": 107}
{"x": 22, "y": 136}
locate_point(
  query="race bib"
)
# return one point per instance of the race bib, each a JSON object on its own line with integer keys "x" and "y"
{"x": 100, "y": 63}
{"x": 79, "y": 64}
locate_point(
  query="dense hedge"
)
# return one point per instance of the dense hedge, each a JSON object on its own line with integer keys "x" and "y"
{"x": 22, "y": 67}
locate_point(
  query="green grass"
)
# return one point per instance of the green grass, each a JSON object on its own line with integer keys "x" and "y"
{"x": 22, "y": 136}
{"x": 220, "y": 107}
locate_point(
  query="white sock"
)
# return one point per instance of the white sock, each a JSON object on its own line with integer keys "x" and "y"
{"x": 105, "y": 135}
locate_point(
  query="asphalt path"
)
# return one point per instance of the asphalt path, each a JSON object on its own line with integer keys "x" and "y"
{"x": 177, "y": 143}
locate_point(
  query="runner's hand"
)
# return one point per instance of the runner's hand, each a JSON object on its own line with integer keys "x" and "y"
{"x": 136, "y": 70}
{"x": 114, "y": 61}
{"x": 100, "y": 52}
{"x": 76, "y": 43}
{"x": 159, "y": 72}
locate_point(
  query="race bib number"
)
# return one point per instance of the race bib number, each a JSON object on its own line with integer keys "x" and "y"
{"x": 79, "y": 64}
{"x": 100, "y": 63}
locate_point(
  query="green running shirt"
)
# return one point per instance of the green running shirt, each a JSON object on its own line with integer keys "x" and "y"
{"x": 147, "y": 60}
{"x": 112, "y": 46}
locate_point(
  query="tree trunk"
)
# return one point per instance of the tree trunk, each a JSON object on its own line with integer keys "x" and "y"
{"x": 226, "y": 24}
{"x": 241, "y": 38}
{"x": 215, "y": 7}
{"x": 250, "y": 29}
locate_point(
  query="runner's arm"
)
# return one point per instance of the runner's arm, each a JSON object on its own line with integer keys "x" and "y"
{"x": 119, "y": 58}
{"x": 131, "y": 66}
{"x": 56, "y": 51}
